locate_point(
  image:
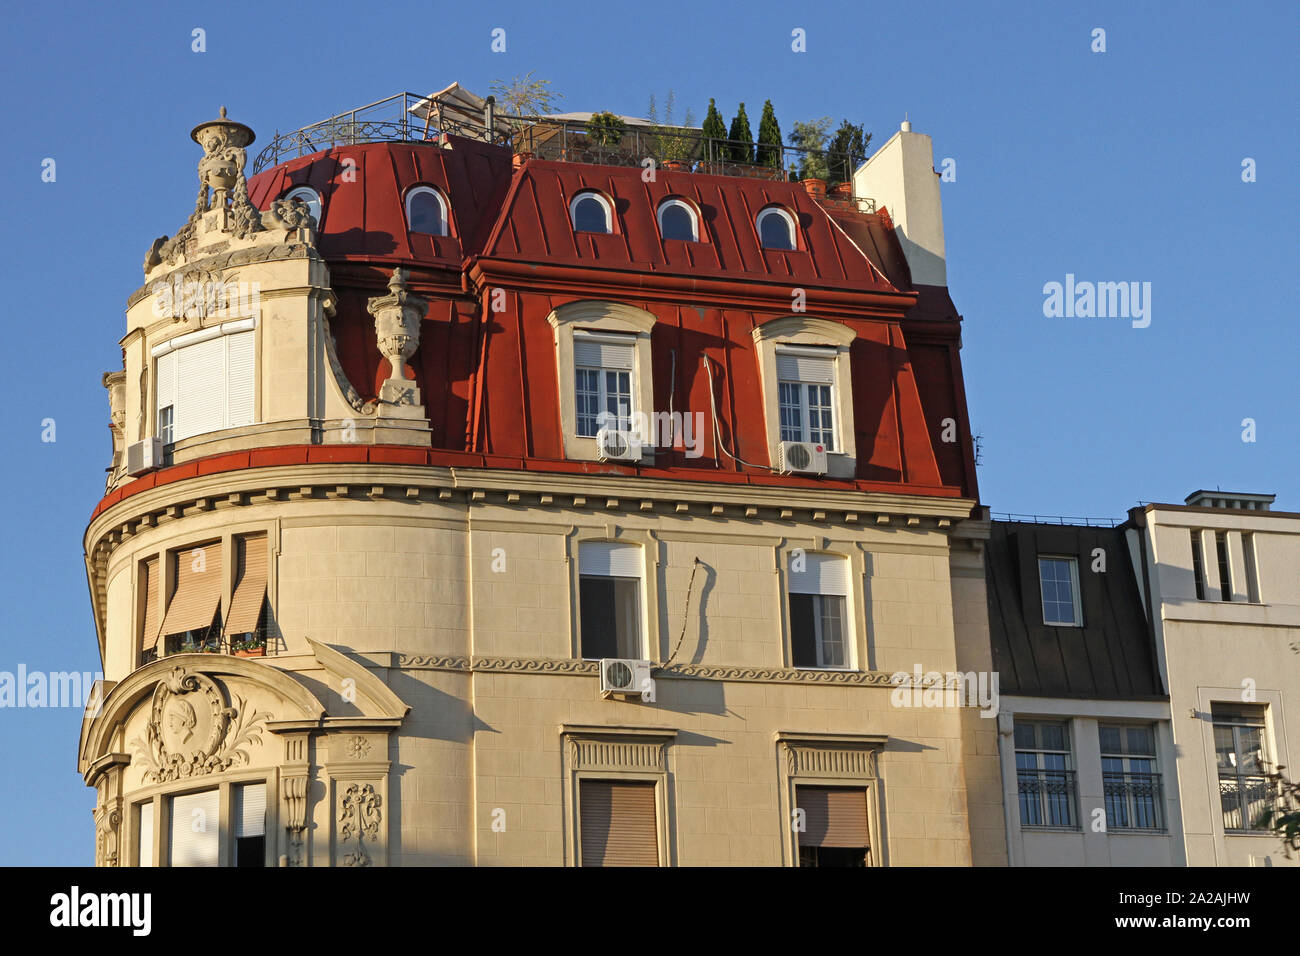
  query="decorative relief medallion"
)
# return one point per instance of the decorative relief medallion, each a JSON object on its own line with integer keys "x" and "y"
{"x": 359, "y": 817}
{"x": 190, "y": 731}
{"x": 357, "y": 747}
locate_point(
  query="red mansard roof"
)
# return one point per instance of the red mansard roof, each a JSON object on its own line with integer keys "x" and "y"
{"x": 489, "y": 379}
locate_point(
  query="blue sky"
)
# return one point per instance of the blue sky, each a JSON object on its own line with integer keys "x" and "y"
{"x": 1115, "y": 166}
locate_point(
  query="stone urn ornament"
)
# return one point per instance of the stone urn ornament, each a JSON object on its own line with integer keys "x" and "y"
{"x": 397, "y": 329}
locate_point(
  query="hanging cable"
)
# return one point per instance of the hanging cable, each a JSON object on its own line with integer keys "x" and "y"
{"x": 686, "y": 614}
{"x": 717, "y": 434}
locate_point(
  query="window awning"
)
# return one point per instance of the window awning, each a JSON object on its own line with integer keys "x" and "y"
{"x": 199, "y": 584}
{"x": 246, "y": 603}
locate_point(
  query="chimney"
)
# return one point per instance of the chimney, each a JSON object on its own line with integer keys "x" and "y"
{"x": 1245, "y": 501}
{"x": 900, "y": 176}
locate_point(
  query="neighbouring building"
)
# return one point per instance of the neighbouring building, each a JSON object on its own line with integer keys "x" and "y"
{"x": 1218, "y": 573}
{"x": 1085, "y": 742}
{"x": 479, "y": 504}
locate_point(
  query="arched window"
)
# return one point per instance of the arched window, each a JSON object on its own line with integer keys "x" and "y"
{"x": 591, "y": 212}
{"x": 677, "y": 221}
{"x": 775, "y": 228}
{"x": 310, "y": 197}
{"x": 426, "y": 211}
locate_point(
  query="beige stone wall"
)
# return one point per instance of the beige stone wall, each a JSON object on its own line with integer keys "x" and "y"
{"x": 463, "y": 604}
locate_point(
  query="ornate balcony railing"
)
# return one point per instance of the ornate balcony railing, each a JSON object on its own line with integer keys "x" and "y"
{"x": 395, "y": 119}
{"x": 1047, "y": 798}
{"x": 1133, "y": 800}
{"x": 1244, "y": 798}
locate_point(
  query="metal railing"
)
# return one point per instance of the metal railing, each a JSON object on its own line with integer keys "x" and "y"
{"x": 1047, "y": 798}
{"x": 1056, "y": 519}
{"x": 1244, "y": 798}
{"x": 1133, "y": 800}
{"x": 564, "y": 140}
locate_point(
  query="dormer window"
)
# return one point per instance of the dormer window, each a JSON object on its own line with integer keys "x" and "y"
{"x": 426, "y": 211}
{"x": 677, "y": 220}
{"x": 311, "y": 198}
{"x": 805, "y": 393}
{"x": 776, "y": 228}
{"x": 591, "y": 212}
{"x": 603, "y": 366}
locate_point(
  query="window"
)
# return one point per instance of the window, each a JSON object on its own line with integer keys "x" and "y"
{"x": 1225, "y": 566}
{"x": 192, "y": 623}
{"x": 149, "y": 584}
{"x": 1044, "y": 774}
{"x": 591, "y": 212}
{"x": 1252, "y": 571}
{"x": 805, "y": 395}
{"x": 819, "y": 627}
{"x": 194, "y": 837}
{"x": 603, "y": 367}
{"x": 1129, "y": 777}
{"x": 250, "y": 824}
{"x": 1058, "y": 580}
{"x": 617, "y": 822}
{"x": 1198, "y": 565}
{"x": 426, "y": 211}
{"x": 144, "y": 835}
{"x": 609, "y": 598}
{"x": 205, "y": 381}
{"x": 835, "y": 828}
{"x": 1242, "y": 753}
{"x": 310, "y": 197}
{"x": 677, "y": 220}
{"x": 245, "y": 624}
{"x": 775, "y": 229}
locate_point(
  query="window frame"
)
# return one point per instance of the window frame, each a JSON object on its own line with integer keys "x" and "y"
{"x": 1068, "y": 772}
{"x": 314, "y": 200}
{"x": 424, "y": 189}
{"x": 602, "y": 383}
{"x": 605, "y": 204}
{"x": 160, "y": 797}
{"x": 675, "y": 202}
{"x": 1076, "y": 598}
{"x": 638, "y": 611}
{"x": 1154, "y": 775}
{"x": 804, "y": 390}
{"x": 1235, "y": 723}
{"x": 647, "y": 592}
{"x": 785, "y": 215}
{"x": 799, "y": 332}
{"x": 177, "y": 344}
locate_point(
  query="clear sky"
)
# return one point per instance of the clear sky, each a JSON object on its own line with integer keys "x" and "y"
{"x": 1117, "y": 166}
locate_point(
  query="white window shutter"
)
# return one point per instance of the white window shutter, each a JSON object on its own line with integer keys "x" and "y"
{"x": 250, "y": 810}
{"x": 804, "y": 367}
{"x": 822, "y": 574}
{"x": 240, "y": 379}
{"x": 166, "y": 384}
{"x": 591, "y": 352}
{"x": 610, "y": 559}
{"x": 201, "y": 388}
{"x": 195, "y": 829}
{"x": 144, "y": 843}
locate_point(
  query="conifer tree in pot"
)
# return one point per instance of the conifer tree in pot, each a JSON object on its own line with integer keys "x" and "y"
{"x": 742, "y": 140}
{"x": 714, "y": 131}
{"x": 847, "y": 150}
{"x": 769, "y": 138}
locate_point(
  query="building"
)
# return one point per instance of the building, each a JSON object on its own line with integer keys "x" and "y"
{"x": 478, "y": 506}
{"x": 1086, "y": 746}
{"x": 1218, "y": 574}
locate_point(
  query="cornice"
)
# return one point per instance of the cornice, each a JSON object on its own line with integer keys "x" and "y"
{"x": 226, "y": 260}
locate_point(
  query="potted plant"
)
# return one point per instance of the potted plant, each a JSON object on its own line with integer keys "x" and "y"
{"x": 674, "y": 146}
{"x": 187, "y": 647}
{"x": 605, "y": 129}
{"x": 253, "y": 647}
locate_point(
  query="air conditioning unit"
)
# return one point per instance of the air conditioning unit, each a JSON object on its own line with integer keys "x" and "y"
{"x": 803, "y": 456}
{"x": 612, "y": 445}
{"x": 144, "y": 456}
{"x": 621, "y": 676}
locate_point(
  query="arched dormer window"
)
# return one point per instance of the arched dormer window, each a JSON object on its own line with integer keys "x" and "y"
{"x": 310, "y": 197}
{"x": 776, "y": 229}
{"x": 591, "y": 212}
{"x": 677, "y": 220}
{"x": 426, "y": 211}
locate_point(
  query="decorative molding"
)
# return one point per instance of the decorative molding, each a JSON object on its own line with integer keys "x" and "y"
{"x": 611, "y": 753}
{"x": 601, "y": 311}
{"x": 190, "y": 732}
{"x": 832, "y": 755}
{"x": 359, "y": 816}
{"x": 226, "y": 260}
{"x": 805, "y": 328}
{"x": 357, "y": 747}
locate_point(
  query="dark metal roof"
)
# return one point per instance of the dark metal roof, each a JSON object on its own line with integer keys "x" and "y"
{"x": 1112, "y": 656}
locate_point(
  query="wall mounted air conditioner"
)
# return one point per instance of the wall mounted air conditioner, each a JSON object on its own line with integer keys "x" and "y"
{"x": 803, "y": 456}
{"x": 612, "y": 445}
{"x": 621, "y": 676}
{"x": 144, "y": 456}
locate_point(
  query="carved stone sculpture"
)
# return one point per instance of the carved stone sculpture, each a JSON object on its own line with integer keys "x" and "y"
{"x": 397, "y": 328}
{"x": 359, "y": 817}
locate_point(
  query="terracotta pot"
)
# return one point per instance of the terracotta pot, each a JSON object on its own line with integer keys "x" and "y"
{"x": 675, "y": 164}
{"x": 816, "y": 188}
{"x": 255, "y": 652}
{"x": 843, "y": 191}
{"x": 521, "y": 158}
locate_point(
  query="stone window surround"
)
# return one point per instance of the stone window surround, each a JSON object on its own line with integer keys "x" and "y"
{"x": 805, "y": 330}
{"x": 649, "y": 592}
{"x": 860, "y": 652}
{"x": 1274, "y": 740}
{"x": 642, "y": 740}
{"x": 167, "y": 575}
{"x": 160, "y": 796}
{"x": 600, "y": 316}
{"x": 811, "y": 759}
